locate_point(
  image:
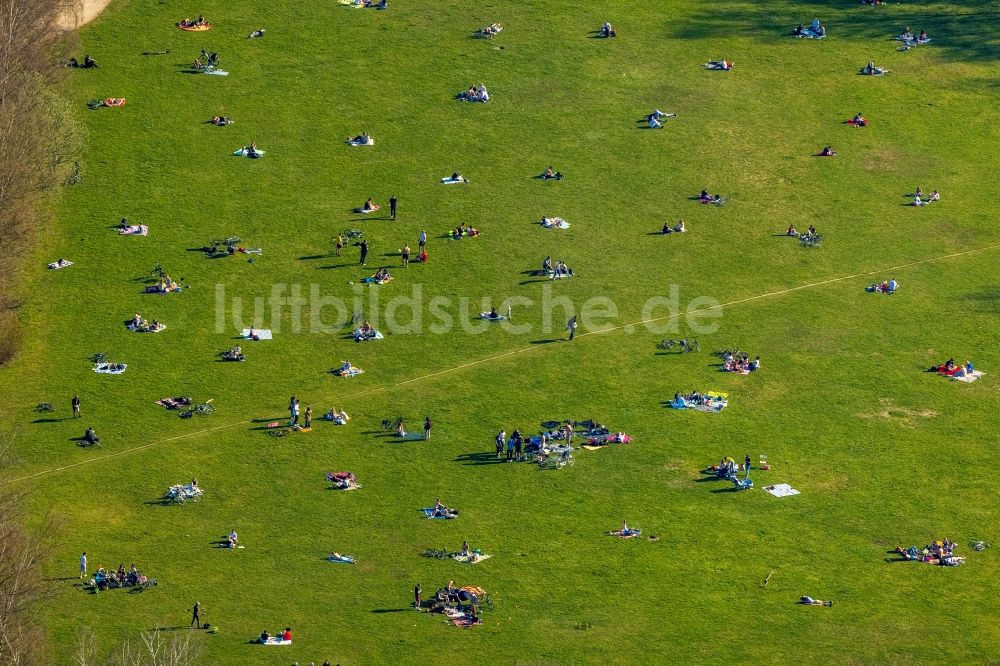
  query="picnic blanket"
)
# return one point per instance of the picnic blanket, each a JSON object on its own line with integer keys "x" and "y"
{"x": 781, "y": 490}
{"x": 471, "y": 558}
{"x": 243, "y": 152}
{"x": 371, "y": 280}
{"x": 713, "y": 402}
{"x": 364, "y": 211}
{"x": 808, "y": 33}
{"x": 601, "y": 441}
{"x": 174, "y": 403}
{"x": 362, "y": 337}
{"x": 352, "y": 372}
{"x": 453, "y": 181}
{"x": 61, "y": 263}
{"x": 489, "y": 317}
{"x": 626, "y": 534}
{"x": 554, "y": 223}
{"x": 356, "y": 142}
{"x": 429, "y": 512}
{"x": 110, "y": 368}
{"x": 195, "y": 28}
{"x": 219, "y": 72}
{"x": 342, "y": 559}
{"x": 465, "y": 621}
{"x": 134, "y": 230}
{"x": 258, "y": 334}
{"x": 969, "y": 377}
{"x": 274, "y": 640}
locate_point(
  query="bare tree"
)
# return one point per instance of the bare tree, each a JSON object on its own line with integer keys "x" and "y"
{"x": 148, "y": 648}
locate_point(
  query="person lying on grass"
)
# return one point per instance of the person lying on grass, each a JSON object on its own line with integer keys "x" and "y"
{"x": 809, "y": 601}
{"x": 362, "y": 139}
{"x": 370, "y": 205}
{"x": 724, "y": 65}
{"x": 827, "y": 152}
{"x": 221, "y": 121}
{"x": 549, "y": 174}
{"x": 871, "y": 69}
{"x": 475, "y": 94}
{"x": 858, "y": 121}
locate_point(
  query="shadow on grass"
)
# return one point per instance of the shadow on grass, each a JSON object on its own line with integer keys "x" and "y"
{"x": 478, "y": 458}
{"x": 312, "y": 257}
{"x": 51, "y": 420}
{"x": 544, "y": 341}
{"x": 392, "y": 610}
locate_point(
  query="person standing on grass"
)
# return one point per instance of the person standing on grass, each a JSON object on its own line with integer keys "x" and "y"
{"x": 83, "y": 565}
{"x": 427, "y": 428}
{"x": 364, "y": 251}
{"x": 422, "y": 240}
{"x": 510, "y": 449}
{"x": 571, "y": 326}
{"x": 293, "y": 411}
{"x": 309, "y": 417}
{"x": 406, "y": 255}
{"x": 196, "y": 614}
{"x": 76, "y": 406}
{"x": 518, "y": 442}
{"x": 501, "y": 436}
{"x": 392, "y": 206}
{"x": 340, "y": 243}
{"x": 416, "y": 596}
{"x": 746, "y": 464}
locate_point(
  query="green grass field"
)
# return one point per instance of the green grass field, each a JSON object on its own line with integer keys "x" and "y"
{"x": 883, "y": 453}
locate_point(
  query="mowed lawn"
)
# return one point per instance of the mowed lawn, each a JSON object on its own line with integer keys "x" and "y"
{"x": 884, "y": 454}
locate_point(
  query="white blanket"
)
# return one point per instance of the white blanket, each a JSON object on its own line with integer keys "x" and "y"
{"x": 453, "y": 181}
{"x": 109, "y": 369}
{"x": 781, "y": 490}
{"x": 970, "y": 377}
{"x": 262, "y": 334}
{"x": 56, "y": 265}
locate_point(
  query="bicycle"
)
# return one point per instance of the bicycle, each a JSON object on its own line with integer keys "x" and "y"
{"x": 158, "y": 272}
{"x": 735, "y": 352}
{"x": 435, "y": 553}
{"x": 389, "y": 425}
{"x": 811, "y": 240}
{"x": 353, "y": 234}
{"x": 684, "y": 346}
{"x": 45, "y": 407}
{"x": 204, "y": 409}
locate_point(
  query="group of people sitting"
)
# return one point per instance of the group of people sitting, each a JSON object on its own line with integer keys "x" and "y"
{"x": 125, "y": 228}
{"x": 259, "y": 32}
{"x": 950, "y": 369}
{"x": 232, "y": 540}
{"x": 885, "y": 287}
{"x": 920, "y": 199}
{"x": 164, "y": 285}
{"x": 340, "y": 417}
{"x": 366, "y": 332}
{"x": 490, "y": 31}
{"x": 907, "y": 36}
{"x": 475, "y": 94}
{"x": 342, "y": 480}
{"x": 557, "y": 269}
{"x": 362, "y": 139}
{"x": 280, "y": 636}
{"x": 199, "y": 23}
{"x": 140, "y": 325}
{"x": 707, "y": 198}
{"x": 90, "y": 438}
{"x": 940, "y": 552}
{"x": 814, "y": 31}
{"x": 724, "y": 65}
{"x": 699, "y": 401}
{"x": 381, "y": 276}
{"x": 234, "y": 354}
{"x": 250, "y": 151}
{"x": 464, "y": 229}
{"x": 449, "y": 601}
{"x": 221, "y": 121}
{"x": 871, "y": 69}
{"x": 554, "y": 223}
{"x": 370, "y": 4}
{"x": 678, "y": 228}
{"x": 607, "y": 30}
{"x": 740, "y": 364}
{"x": 439, "y": 510}
{"x": 792, "y": 231}
{"x": 727, "y": 468}
{"x": 105, "y": 580}
{"x": 88, "y": 63}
